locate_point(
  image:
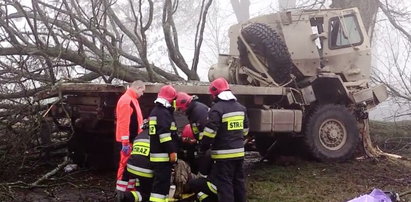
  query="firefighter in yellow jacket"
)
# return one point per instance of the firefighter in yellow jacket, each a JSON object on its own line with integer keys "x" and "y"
{"x": 163, "y": 142}
{"x": 224, "y": 132}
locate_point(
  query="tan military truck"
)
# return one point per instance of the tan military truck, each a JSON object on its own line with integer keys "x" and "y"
{"x": 321, "y": 61}
{"x": 302, "y": 73}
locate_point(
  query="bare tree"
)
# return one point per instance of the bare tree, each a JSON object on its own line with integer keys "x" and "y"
{"x": 393, "y": 63}
{"x": 172, "y": 41}
{"x": 216, "y": 41}
{"x": 43, "y": 43}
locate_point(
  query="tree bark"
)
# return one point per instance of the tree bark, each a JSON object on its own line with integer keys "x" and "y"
{"x": 171, "y": 39}
{"x": 125, "y": 73}
{"x": 199, "y": 33}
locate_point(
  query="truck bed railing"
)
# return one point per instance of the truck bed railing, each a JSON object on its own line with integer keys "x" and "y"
{"x": 197, "y": 88}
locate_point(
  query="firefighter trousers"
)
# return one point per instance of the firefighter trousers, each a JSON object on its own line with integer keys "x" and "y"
{"x": 204, "y": 189}
{"x": 142, "y": 193}
{"x": 144, "y": 186}
{"x": 131, "y": 196}
{"x": 161, "y": 181}
{"x": 228, "y": 176}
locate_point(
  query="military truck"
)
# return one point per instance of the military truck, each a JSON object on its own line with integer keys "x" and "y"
{"x": 300, "y": 73}
{"x": 321, "y": 60}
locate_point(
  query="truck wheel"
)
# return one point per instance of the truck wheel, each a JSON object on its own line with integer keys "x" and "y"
{"x": 331, "y": 133}
{"x": 266, "y": 43}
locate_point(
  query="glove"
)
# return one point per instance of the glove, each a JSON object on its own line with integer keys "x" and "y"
{"x": 173, "y": 157}
{"x": 188, "y": 140}
{"x": 145, "y": 125}
{"x": 126, "y": 148}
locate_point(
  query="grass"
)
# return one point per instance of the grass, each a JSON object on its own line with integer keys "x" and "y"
{"x": 382, "y": 130}
{"x": 394, "y": 137}
{"x": 314, "y": 181}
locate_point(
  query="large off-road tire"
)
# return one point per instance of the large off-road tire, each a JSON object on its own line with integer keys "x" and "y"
{"x": 331, "y": 133}
{"x": 267, "y": 44}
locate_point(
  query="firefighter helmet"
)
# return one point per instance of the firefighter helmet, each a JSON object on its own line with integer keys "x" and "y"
{"x": 217, "y": 86}
{"x": 187, "y": 135}
{"x": 168, "y": 93}
{"x": 183, "y": 100}
{"x": 187, "y": 132}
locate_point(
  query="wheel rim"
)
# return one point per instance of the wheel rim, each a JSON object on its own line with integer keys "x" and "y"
{"x": 332, "y": 134}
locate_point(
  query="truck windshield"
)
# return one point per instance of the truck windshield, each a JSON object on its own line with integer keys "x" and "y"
{"x": 344, "y": 32}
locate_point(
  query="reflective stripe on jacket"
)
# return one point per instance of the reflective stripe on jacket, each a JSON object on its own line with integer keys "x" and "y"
{"x": 225, "y": 129}
{"x": 197, "y": 115}
{"x": 163, "y": 133}
{"x": 139, "y": 161}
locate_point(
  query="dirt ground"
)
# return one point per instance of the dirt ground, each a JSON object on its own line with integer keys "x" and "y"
{"x": 290, "y": 179}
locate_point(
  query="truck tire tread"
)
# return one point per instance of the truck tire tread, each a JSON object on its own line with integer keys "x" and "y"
{"x": 266, "y": 43}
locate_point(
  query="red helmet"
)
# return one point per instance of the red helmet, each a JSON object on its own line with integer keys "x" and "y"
{"x": 217, "y": 86}
{"x": 187, "y": 132}
{"x": 168, "y": 93}
{"x": 187, "y": 135}
{"x": 183, "y": 100}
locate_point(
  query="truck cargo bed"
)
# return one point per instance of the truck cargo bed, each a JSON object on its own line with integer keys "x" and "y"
{"x": 198, "y": 88}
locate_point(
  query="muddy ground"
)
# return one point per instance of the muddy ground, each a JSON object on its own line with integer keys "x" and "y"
{"x": 290, "y": 179}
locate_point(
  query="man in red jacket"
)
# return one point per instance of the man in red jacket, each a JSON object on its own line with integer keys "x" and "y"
{"x": 129, "y": 120}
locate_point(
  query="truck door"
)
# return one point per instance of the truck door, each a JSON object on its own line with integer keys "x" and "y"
{"x": 348, "y": 51}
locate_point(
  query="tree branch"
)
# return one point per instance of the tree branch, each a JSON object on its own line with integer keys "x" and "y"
{"x": 199, "y": 34}
{"x": 171, "y": 38}
{"x": 392, "y": 20}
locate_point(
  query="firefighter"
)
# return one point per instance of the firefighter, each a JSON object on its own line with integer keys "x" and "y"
{"x": 188, "y": 148}
{"x": 139, "y": 167}
{"x": 128, "y": 124}
{"x": 205, "y": 190}
{"x": 197, "y": 116}
{"x": 196, "y": 111}
{"x": 224, "y": 133}
{"x": 187, "y": 135}
{"x": 163, "y": 142}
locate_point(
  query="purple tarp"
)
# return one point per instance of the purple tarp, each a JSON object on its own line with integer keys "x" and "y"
{"x": 375, "y": 196}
